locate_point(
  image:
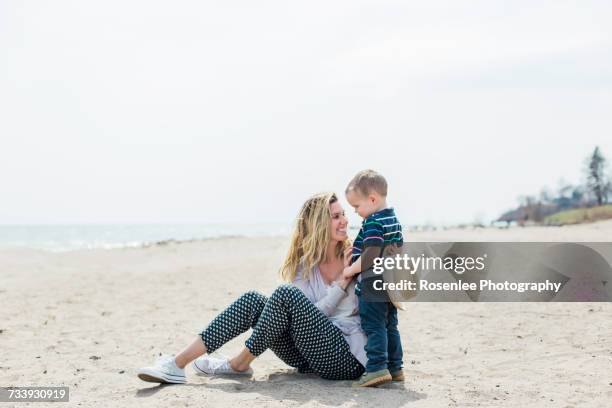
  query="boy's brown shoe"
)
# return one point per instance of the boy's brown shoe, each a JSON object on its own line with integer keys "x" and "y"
{"x": 397, "y": 375}
{"x": 373, "y": 379}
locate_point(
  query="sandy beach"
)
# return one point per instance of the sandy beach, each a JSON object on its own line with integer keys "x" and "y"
{"x": 88, "y": 319}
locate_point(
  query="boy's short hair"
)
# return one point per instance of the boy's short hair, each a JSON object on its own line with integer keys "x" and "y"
{"x": 367, "y": 181}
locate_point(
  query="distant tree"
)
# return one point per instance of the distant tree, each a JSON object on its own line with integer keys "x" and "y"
{"x": 546, "y": 196}
{"x": 563, "y": 200}
{"x": 531, "y": 209}
{"x": 564, "y": 188}
{"x": 579, "y": 198}
{"x": 597, "y": 190}
{"x": 597, "y": 180}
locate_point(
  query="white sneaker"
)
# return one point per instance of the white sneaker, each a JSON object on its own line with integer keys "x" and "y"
{"x": 164, "y": 371}
{"x": 207, "y": 365}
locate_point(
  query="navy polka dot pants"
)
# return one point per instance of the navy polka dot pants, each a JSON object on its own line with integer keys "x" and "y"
{"x": 292, "y": 327}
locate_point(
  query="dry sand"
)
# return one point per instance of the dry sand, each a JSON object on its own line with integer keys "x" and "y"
{"x": 88, "y": 319}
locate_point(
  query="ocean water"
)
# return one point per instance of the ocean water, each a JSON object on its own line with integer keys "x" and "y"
{"x": 75, "y": 237}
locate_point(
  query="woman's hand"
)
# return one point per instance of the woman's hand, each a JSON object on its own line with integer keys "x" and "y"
{"x": 348, "y": 253}
{"x": 344, "y": 282}
{"x": 348, "y": 272}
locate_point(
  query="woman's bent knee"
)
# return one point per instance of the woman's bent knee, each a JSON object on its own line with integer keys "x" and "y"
{"x": 253, "y": 296}
{"x": 288, "y": 294}
{"x": 286, "y": 289}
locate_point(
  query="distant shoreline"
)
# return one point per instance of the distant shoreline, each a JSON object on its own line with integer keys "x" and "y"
{"x": 598, "y": 231}
{"x": 61, "y": 238}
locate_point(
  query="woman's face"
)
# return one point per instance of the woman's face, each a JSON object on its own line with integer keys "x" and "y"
{"x": 339, "y": 222}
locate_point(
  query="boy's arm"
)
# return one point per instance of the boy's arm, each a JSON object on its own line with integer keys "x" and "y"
{"x": 372, "y": 243}
{"x": 369, "y": 253}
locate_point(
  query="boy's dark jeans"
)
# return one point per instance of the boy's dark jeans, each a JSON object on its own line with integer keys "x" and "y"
{"x": 384, "y": 347}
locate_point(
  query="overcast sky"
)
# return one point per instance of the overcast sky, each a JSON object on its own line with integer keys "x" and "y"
{"x": 236, "y": 111}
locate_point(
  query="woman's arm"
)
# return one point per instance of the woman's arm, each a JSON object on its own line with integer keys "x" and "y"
{"x": 328, "y": 301}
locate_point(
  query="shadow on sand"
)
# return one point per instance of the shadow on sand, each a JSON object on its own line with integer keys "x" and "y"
{"x": 287, "y": 385}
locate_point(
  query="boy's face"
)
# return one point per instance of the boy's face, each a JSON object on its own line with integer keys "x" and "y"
{"x": 364, "y": 205}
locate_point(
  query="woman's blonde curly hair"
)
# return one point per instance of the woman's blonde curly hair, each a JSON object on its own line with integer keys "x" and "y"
{"x": 310, "y": 237}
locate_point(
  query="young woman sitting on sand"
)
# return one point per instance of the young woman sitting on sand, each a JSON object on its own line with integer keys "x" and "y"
{"x": 311, "y": 324}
